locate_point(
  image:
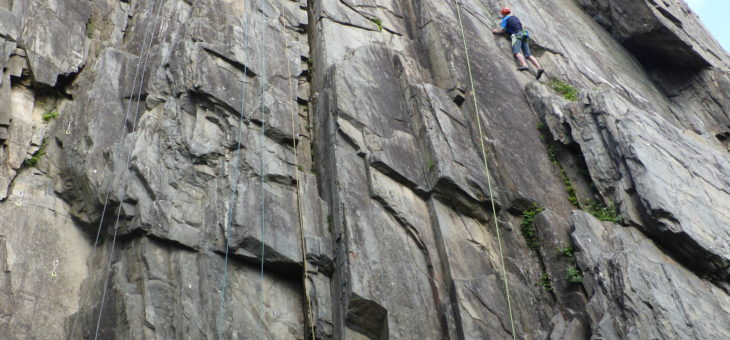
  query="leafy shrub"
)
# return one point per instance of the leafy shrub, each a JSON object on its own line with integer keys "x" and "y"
{"x": 568, "y": 92}
{"x": 545, "y": 282}
{"x": 36, "y": 156}
{"x": 603, "y": 213}
{"x": 48, "y": 116}
{"x": 567, "y": 251}
{"x": 574, "y": 276}
{"x": 528, "y": 226}
{"x": 378, "y": 22}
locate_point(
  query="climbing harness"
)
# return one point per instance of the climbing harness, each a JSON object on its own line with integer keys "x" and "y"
{"x": 486, "y": 168}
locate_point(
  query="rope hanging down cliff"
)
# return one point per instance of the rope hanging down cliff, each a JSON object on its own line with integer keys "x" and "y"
{"x": 141, "y": 64}
{"x": 302, "y": 241}
{"x": 235, "y": 165}
{"x": 262, "y": 202}
{"x": 294, "y": 125}
{"x": 486, "y": 168}
{"x": 126, "y": 167}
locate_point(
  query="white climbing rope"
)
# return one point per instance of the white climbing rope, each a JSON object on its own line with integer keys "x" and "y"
{"x": 486, "y": 169}
{"x": 126, "y": 167}
{"x": 120, "y": 144}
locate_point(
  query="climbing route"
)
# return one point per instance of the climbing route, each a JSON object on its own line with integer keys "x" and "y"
{"x": 297, "y": 181}
{"x": 137, "y": 82}
{"x": 262, "y": 177}
{"x": 235, "y": 170}
{"x": 478, "y": 119}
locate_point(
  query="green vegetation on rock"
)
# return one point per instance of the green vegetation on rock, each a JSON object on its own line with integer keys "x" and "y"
{"x": 378, "y": 22}
{"x": 568, "y": 92}
{"x": 89, "y": 29}
{"x": 528, "y": 226}
{"x": 47, "y": 117}
{"x": 545, "y": 282}
{"x": 572, "y": 196}
{"x": 36, "y": 156}
{"x": 574, "y": 275}
{"x": 567, "y": 251}
{"x": 602, "y": 212}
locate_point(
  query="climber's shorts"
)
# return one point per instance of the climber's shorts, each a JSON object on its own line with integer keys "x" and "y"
{"x": 521, "y": 43}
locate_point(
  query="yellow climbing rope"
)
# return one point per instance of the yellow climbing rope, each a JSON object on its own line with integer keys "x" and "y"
{"x": 294, "y": 124}
{"x": 486, "y": 168}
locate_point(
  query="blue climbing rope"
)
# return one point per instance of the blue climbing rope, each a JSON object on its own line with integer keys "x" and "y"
{"x": 234, "y": 181}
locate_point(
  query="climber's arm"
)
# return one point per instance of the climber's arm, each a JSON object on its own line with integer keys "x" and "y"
{"x": 503, "y": 27}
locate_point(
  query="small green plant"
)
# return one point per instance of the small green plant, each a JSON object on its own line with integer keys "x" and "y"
{"x": 300, "y": 167}
{"x": 602, "y": 212}
{"x": 574, "y": 276}
{"x": 89, "y": 29}
{"x": 567, "y": 251}
{"x": 431, "y": 165}
{"x": 568, "y": 92}
{"x": 36, "y": 156}
{"x": 378, "y": 22}
{"x": 528, "y": 226}
{"x": 48, "y": 116}
{"x": 552, "y": 151}
{"x": 553, "y": 154}
{"x": 329, "y": 223}
{"x": 542, "y": 129}
{"x": 572, "y": 196}
{"x": 545, "y": 282}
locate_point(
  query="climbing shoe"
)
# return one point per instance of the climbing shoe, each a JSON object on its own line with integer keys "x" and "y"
{"x": 539, "y": 73}
{"x": 523, "y": 69}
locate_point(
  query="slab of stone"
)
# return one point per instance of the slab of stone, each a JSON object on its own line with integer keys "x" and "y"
{"x": 637, "y": 291}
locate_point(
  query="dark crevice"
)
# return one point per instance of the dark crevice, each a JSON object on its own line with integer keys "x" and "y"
{"x": 239, "y": 66}
{"x": 367, "y": 317}
{"x": 453, "y": 195}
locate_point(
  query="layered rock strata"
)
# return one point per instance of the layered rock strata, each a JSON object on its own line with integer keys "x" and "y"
{"x": 169, "y": 167}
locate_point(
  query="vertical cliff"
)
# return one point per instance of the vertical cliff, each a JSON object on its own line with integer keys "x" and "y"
{"x": 361, "y": 169}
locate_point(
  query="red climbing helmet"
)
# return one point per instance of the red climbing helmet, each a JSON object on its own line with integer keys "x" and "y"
{"x": 504, "y": 11}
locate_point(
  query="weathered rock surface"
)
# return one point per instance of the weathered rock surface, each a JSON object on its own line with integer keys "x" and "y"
{"x": 637, "y": 292}
{"x": 168, "y": 169}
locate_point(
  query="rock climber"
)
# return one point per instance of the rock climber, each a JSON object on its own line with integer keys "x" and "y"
{"x": 520, "y": 40}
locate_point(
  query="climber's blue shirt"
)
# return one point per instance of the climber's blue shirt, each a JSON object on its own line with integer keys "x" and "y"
{"x": 511, "y": 24}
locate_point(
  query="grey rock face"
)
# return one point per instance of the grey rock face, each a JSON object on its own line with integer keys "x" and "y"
{"x": 251, "y": 169}
{"x": 637, "y": 162}
{"x": 665, "y": 30}
{"x": 43, "y": 257}
{"x": 636, "y": 291}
